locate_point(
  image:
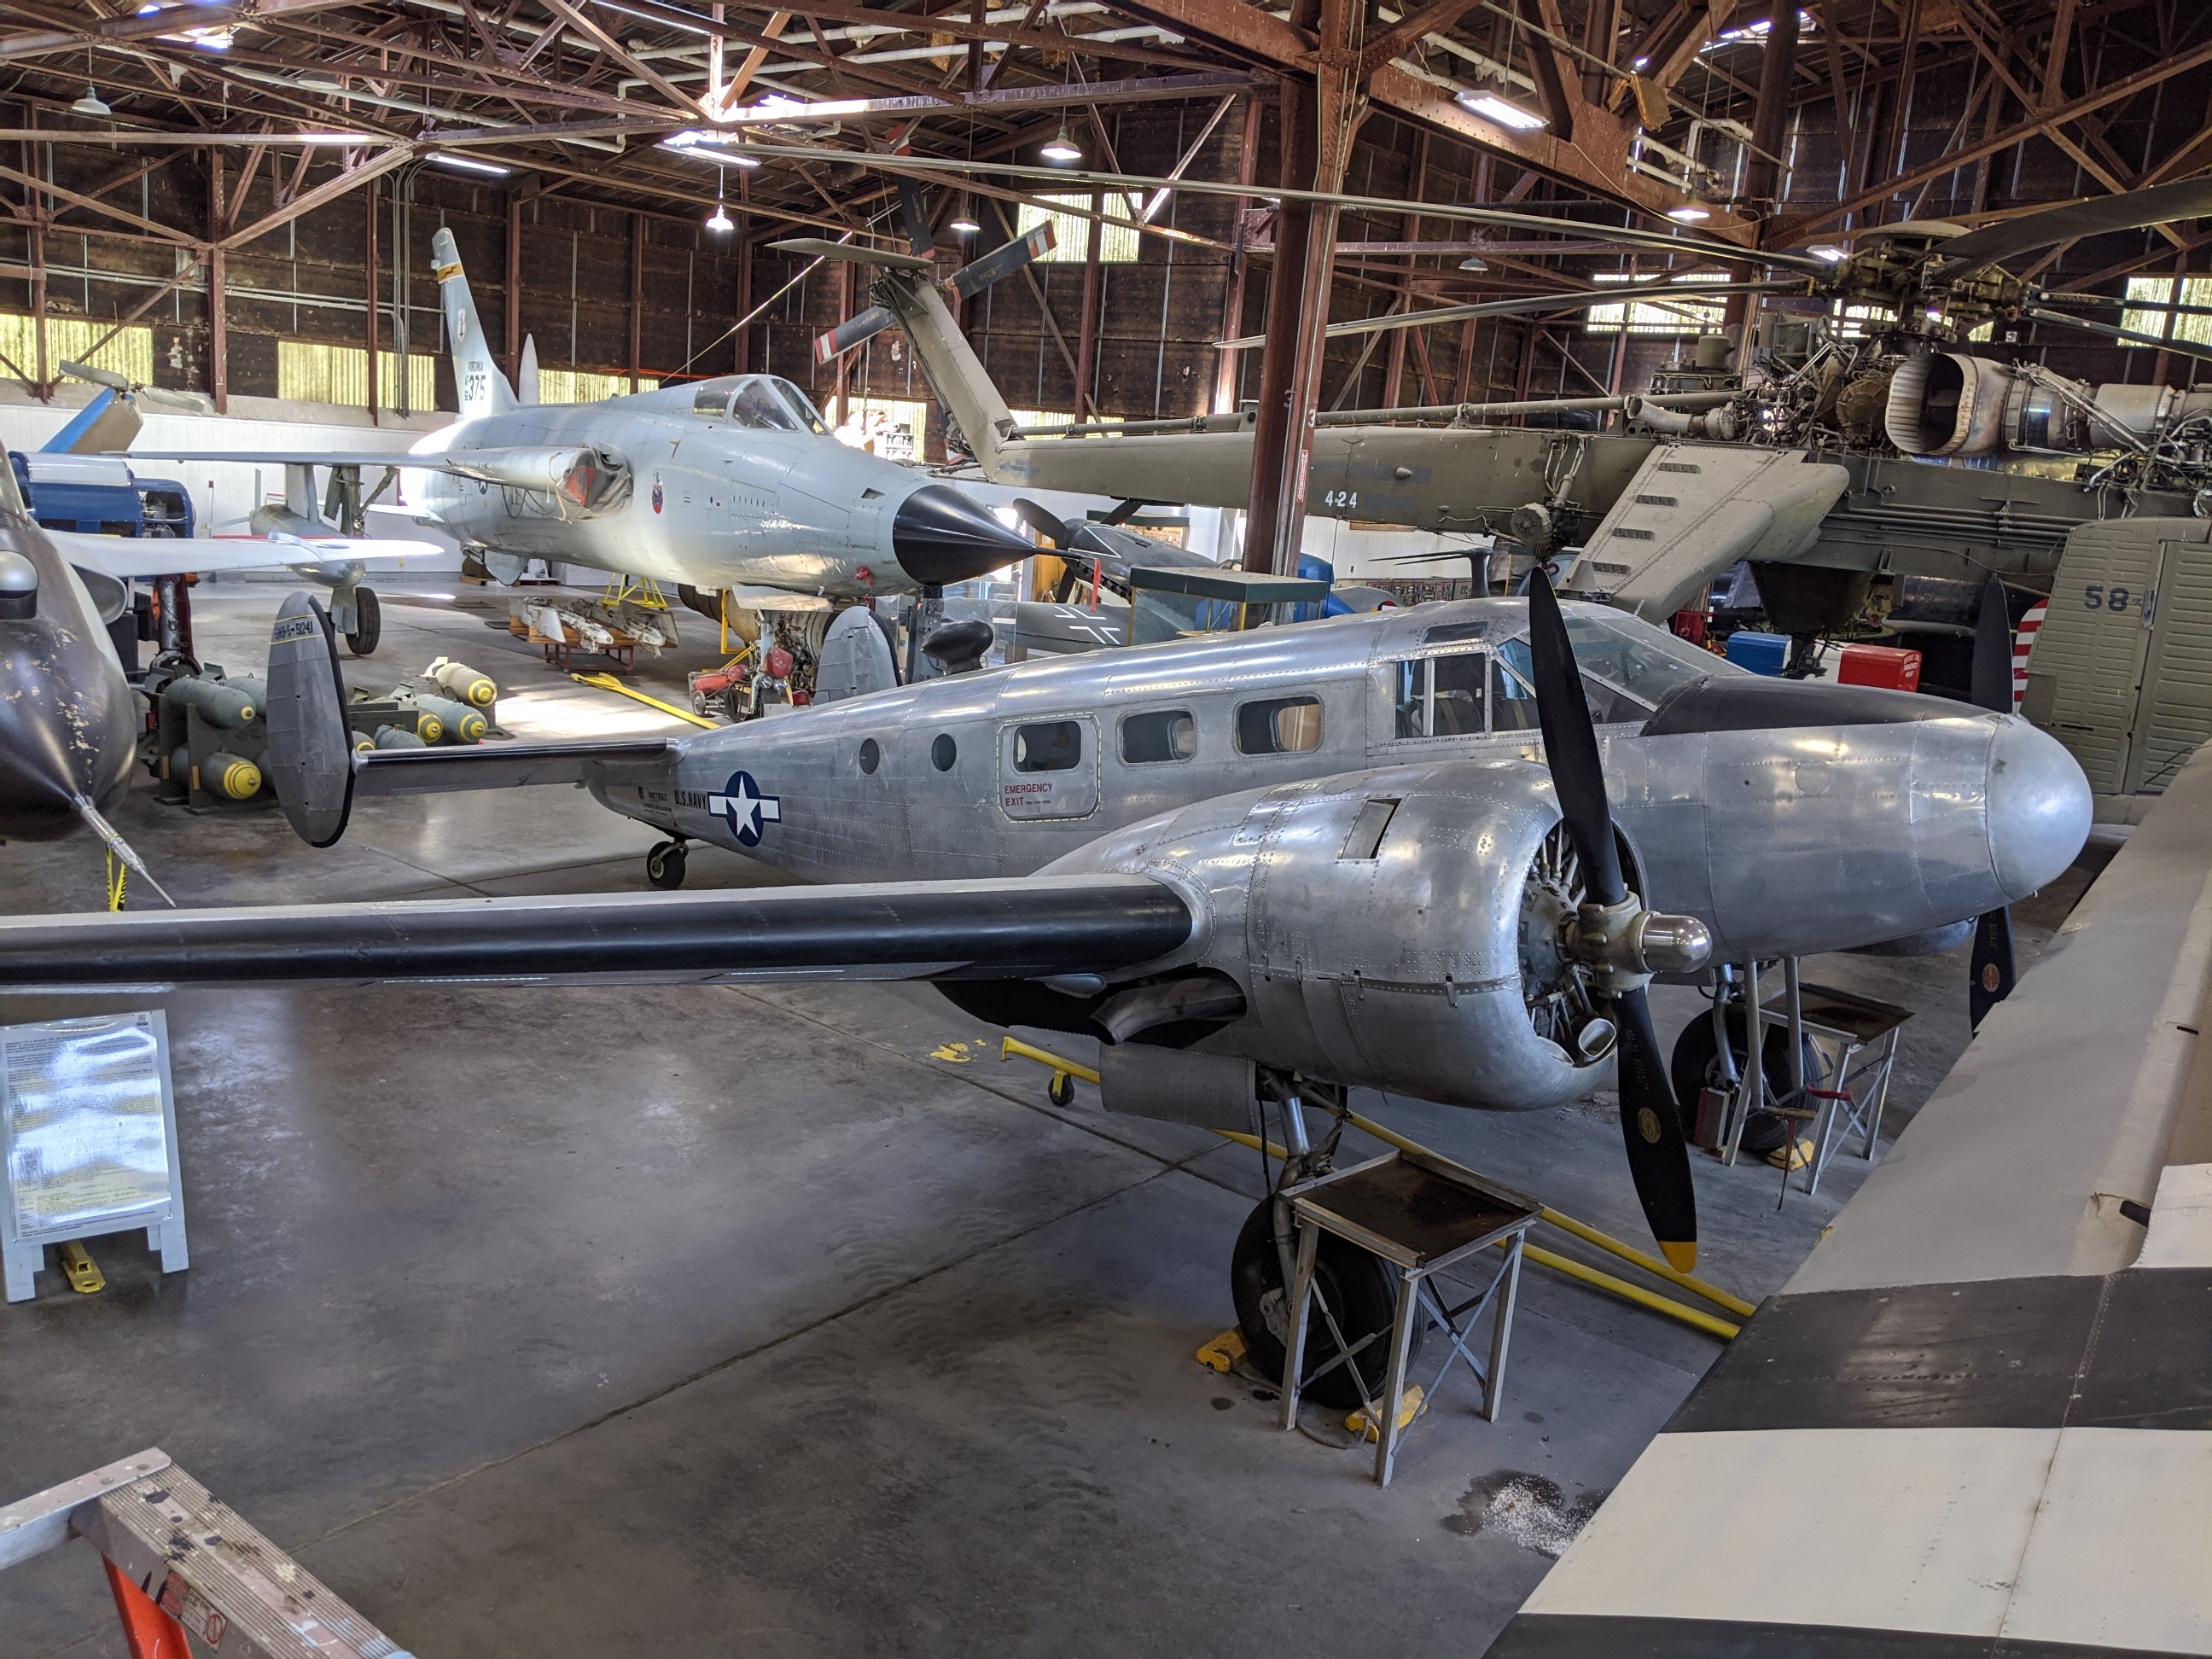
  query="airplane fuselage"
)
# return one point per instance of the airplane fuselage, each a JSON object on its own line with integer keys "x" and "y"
{"x": 68, "y": 720}
{"x": 1870, "y": 826}
{"x": 715, "y": 499}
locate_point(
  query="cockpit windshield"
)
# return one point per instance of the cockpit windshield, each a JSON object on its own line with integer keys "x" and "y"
{"x": 773, "y": 403}
{"x": 1627, "y": 669}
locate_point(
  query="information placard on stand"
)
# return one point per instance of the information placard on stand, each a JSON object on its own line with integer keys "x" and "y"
{"x": 89, "y": 1131}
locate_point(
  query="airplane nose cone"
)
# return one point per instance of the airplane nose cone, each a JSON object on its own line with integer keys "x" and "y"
{"x": 2038, "y": 807}
{"x": 939, "y": 536}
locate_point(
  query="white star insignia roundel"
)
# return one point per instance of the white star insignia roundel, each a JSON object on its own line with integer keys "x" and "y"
{"x": 744, "y": 809}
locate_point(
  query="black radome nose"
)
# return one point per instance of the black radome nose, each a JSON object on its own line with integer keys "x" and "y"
{"x": 941, "y": 537}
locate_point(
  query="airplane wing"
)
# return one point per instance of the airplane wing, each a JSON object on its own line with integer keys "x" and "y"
{"x": 1021, "y": 927}
{"x": 496, "y": 766}
{"x": 126, "y": 556}
{"x": 289, "y": 457}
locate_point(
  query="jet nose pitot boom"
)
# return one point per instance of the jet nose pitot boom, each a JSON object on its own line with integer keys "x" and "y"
{"x": 939, "y": 536}
{"x": 2038, "y": 807}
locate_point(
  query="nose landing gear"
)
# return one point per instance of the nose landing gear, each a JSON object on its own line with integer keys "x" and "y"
{"x": 664, "y": 864}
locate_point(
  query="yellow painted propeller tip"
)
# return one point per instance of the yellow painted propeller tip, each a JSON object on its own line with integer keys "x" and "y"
{"x": 1679, "y": 1256}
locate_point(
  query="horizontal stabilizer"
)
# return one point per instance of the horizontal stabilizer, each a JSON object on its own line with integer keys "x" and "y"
{"x": 127, "y": 556}
{"x": 1014, "y": 928}
{"x": 494, "y": 766}
{"x": 1003, "y": 261}
{"x": 852, "y": 331}
{"x": 819, "y": 247}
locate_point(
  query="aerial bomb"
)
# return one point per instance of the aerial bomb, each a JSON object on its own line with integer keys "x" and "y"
{"x": 231, "y": 704}
{"x": 398, "y": 736}
{"x": 232, "y": 776}
{"x": 458, "y": 722}
{"x": 462, "y": 681}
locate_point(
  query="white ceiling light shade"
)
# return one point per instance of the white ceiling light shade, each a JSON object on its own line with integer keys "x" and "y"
{"x": 1689, "y": 214}
{"x": 1833, "y": 255}
{"x": 1061, "y": 148}
{"x": 1475, "y": 262}
{"x": 471, "y": 164}
{"x": 964, "y": 225}
{"x": 91, "y": 105}
{"x": 1492, "y": 107}
{"x": 719, "y": 220}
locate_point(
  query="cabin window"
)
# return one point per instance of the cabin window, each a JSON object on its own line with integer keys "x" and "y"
{"x": 1440, "y": 696}
{"x": 943, "y": 752}
{"x": 1280, "y": 726}
{"x": 1164, "y": 734}
{"x": 871, "y": 756}
{"x": 1512, "y": 703}
{"x": 756, "y": 405}
{"x": 1608, "y": 704}
{"x": 712, "y": 400}
{"x": 1052, "y": 746}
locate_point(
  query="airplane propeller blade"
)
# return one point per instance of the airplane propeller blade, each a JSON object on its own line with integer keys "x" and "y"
{"x": 1053, "y": 529}
{"x": 2133, "y": 209}
{"x": 1002, "y": 261}
{"x": 1991, "y": 970}
{"x": 913, "y": 210}
{"x": 854, "y": 330}
{"x": 1651, "y": 1122}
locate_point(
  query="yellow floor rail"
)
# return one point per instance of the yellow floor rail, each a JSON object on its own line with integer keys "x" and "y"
{"x": 1011, "y": 1047}
{"x": 609, "y": 683}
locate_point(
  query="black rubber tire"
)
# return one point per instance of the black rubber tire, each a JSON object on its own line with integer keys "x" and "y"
{"x": 1061, "y": 1090}
{"x": 1361, "y": 1289}
{"x": 369, "y": 623}
{"x": 664, "y": 864}
{"x": 1695, "y": 1065}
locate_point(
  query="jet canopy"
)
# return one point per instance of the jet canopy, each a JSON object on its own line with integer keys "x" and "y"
{"x": 765, "y": 402}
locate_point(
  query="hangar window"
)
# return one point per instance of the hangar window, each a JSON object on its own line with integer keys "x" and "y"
{"x": 1071, "y": 229}
{"x": 1279, "y": 726}
{"x": 1164, "y": 734}
{"x": 1682, "y": 314}
{"x": 1441, "y": 696}
{"x": 1052, "y": 746}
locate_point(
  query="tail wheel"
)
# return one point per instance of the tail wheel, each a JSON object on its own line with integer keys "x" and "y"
{"x": 369, "y": 623}
{"x": 664, "y": 864}
{"x": 1359, "y": 1289}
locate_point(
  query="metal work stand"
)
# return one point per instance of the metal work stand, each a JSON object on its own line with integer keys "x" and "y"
{"x": 1424, "y": 1216}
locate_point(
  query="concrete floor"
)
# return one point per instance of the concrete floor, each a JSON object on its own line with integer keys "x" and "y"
{"x": 676, "y": 1321}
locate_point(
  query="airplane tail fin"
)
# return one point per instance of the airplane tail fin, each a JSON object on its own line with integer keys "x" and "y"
{"x": 526, "y": 372}
{"x": 484, "y": 390}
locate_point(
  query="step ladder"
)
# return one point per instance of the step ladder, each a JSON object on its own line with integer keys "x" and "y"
{"x": 181, "y": 1563}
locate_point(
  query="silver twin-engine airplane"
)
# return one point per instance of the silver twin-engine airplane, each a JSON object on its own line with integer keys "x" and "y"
{"x": 733, "y": 484}
{"x": 1284, "y": 862}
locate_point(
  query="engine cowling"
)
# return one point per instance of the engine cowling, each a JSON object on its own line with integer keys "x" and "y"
{"x": 1399, "y": 929}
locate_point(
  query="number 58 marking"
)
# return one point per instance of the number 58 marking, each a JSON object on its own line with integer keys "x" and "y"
{"x": 2097, "y": 597}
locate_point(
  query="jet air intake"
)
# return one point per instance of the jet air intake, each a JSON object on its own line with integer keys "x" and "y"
{"x": 583, "y": 481}
{"x": 939, "y": 536}
{"x": 1947, "y": 403}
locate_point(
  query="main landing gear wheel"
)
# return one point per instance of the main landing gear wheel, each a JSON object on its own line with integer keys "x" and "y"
{"x": 1695, "y": 1065}
{"x": 1359, "y": 1288}
{"x": 664, "y": 864}
{"x": 367, "y": 625}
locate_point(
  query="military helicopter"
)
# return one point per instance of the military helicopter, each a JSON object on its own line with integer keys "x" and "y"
{"x": 1315, "y": 861}
{"x": 733, "y": 485}
{"x": 1808, "y": 473}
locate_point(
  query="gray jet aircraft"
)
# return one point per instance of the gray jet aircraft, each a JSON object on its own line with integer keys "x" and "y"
{"x": 731, "y": 484}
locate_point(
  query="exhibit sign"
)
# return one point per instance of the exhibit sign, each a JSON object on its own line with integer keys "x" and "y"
{"x": 88, "y": 1130}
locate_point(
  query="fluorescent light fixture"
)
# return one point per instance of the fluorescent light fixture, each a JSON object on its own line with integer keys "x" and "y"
{"x": 92, "y": 104}
{"x": 1061, "y": 147}
{"x": 777, "y": 108}
{"x": 1689, "y": 214}
{"x": 1832, "y": 254}
{"x": 470, "y": 164}
{"x": 708, "y": 146}
{"x": 964, "y": 225}
{"x": 1492, "y": 107}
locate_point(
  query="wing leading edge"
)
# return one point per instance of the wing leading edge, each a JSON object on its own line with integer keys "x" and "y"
{"x": 1025, "y": 927}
